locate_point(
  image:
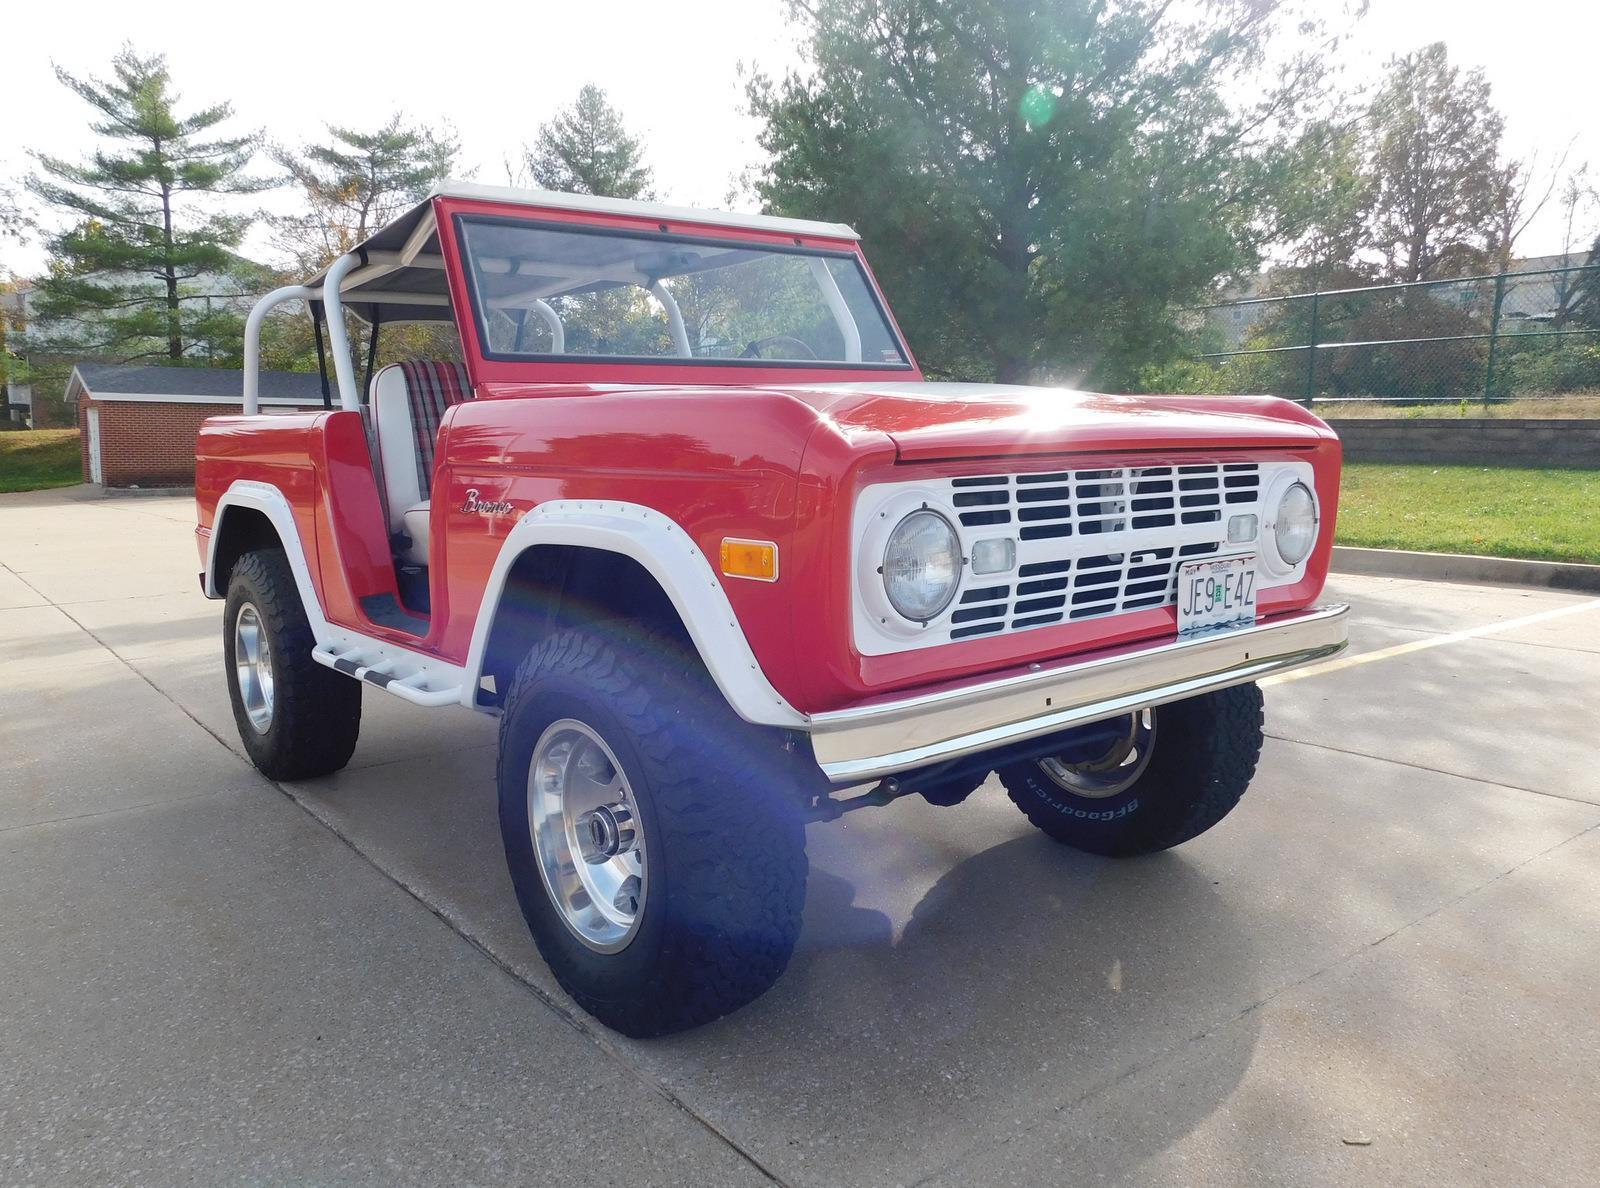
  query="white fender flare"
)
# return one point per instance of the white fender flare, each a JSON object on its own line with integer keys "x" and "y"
{"x": 668, "y": 554}
{"x": 270, "y": 502}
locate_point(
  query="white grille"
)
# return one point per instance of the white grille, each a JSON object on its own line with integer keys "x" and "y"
{"x": 1090, "y": 543}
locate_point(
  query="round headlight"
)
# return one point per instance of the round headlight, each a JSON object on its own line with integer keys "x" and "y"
{"x": 922, "y": 565}
{"x": 1295, "y": 526}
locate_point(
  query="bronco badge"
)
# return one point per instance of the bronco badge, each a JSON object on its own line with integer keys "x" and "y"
{"x": 485, "y": 507}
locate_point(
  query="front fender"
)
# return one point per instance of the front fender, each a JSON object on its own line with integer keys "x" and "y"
{"x": 678, "y": 565}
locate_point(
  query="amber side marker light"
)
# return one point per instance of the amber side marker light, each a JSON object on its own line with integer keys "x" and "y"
{"x": 754, "y": 559}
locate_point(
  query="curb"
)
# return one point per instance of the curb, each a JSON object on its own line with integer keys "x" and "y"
{"x": 1462, "y": 567}
{"x": 100, "y": 491}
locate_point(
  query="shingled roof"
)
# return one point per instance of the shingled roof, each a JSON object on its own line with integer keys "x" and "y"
{"x": 220, "y": 385}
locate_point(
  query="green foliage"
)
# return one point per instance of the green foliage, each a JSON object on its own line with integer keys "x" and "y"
{"x": 1547, "y": 366}
{"x": 1244, "y": 375}
{"x": 128, "y": 279}
{"x": 356, "y": 182}
{"x": 585, "y": 149}
{"x": 1039, "y": 184}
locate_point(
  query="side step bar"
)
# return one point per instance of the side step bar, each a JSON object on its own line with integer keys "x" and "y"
{"x": 382, "y": 672}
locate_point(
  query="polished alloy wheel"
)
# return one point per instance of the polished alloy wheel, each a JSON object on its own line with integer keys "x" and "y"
{"x": 587, "y": 835}
{"x": 1115, "y": 771}
{"x": 252, "y": 662}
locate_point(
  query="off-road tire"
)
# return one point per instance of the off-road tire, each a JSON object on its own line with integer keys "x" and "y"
{"x": 720, "y": 805}
{"x": 1203, "y": 759}
{"x": 316, "y": 713}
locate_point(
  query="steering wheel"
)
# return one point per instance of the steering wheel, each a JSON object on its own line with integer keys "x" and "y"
{"x": 754, "y": 347}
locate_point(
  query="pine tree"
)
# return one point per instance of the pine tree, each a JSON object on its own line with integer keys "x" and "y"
{"x": 121, "y": 278}
{"x": 356, "y": 182}
{"x": 13, "y": 220}
{"x": 352, "y": 185}
{"x": 585, "y": 149}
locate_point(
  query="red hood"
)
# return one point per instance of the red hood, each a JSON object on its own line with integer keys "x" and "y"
{"x": 928, "y": 421}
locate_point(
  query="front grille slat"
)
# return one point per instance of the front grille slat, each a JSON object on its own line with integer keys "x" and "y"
{"x": 1092, "y": 543}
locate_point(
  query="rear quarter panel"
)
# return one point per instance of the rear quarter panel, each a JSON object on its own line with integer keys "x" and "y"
{"x": 320, "y": 463}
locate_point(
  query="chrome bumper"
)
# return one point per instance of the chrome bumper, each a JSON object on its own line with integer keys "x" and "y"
{"x": 884, "y": 738}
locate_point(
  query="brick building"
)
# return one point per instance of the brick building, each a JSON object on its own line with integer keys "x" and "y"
{"x": 137, "y": 425}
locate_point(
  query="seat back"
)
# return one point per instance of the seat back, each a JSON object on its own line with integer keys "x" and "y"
{"x": 408, "y": 402}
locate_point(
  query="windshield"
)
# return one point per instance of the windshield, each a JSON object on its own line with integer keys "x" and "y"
{"x": 540, "y": 291}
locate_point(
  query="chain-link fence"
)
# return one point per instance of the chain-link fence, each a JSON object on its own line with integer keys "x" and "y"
{"x": 1475, "y": 340}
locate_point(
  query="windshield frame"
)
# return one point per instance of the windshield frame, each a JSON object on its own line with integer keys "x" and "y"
{"x": 701, "y": 236}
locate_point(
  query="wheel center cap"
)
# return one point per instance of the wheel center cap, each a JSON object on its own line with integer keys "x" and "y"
{"x": 605, "y": 832}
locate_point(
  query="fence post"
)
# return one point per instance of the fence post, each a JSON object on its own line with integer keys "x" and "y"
{"x": 1311, "y": 353}
{"x": 1494, "y": 338}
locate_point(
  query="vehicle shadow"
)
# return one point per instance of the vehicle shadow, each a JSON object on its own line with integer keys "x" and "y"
{"x": 1025, "y": 980}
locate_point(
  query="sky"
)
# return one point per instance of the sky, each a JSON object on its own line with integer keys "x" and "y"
{"x": 675, "y": 70}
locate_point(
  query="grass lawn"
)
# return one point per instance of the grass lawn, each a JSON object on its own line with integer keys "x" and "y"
{"x": 1579, "y": 405}
{"x": 1545, "y": 515}
{"x": 33, "y": 459}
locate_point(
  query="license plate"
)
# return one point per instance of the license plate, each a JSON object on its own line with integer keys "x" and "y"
{"x": 1216, "y": 594}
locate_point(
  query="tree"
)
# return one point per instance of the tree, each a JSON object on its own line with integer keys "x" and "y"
{"x": 353, "y": 184}
{"x": 14, "y": 221}
{"x": 1434, "y": 159}
{"x": 1518, "y": 199}
{"x": 1333, "y": 196}
{"x": 1040, "y": 183}
{"x": 356, "y": 182}
{"x": 1583, "y": 305}
{"x": 119, "y": 283}
{"x": 1579, "y": 203}
{"x": 585, "y": 149}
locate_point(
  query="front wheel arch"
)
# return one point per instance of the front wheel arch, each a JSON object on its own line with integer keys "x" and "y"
{"x": 554, "y": 587}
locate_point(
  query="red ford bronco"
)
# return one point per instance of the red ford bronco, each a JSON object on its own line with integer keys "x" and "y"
{"x": 687, "y": 517}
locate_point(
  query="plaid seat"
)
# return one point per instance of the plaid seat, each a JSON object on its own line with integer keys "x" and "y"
{"x": 432, "y": 386}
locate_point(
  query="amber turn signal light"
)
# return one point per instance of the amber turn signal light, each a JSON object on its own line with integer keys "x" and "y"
{"x": 755, "y": 559}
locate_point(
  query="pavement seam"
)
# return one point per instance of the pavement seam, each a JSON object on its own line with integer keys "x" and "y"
{"x": 644, "y": 1079}
{"x": 1303, "y": 742}
{"x": 1172, "y": 1051}
{"x": 120, "y": 809}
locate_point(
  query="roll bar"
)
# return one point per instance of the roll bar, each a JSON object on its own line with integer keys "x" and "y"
{"x": 338, "y": 339}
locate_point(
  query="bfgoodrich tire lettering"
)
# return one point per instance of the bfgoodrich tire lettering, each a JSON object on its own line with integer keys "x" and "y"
{"x": 1204, "y": 757}
{"x": 315, "y": 714}
{"x": 719, "y": 805}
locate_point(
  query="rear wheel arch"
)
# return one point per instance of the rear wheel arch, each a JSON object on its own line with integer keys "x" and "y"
{"x": 238, "y": 530}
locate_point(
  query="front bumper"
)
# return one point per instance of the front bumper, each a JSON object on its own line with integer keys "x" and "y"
{"x": 883, "y": 738}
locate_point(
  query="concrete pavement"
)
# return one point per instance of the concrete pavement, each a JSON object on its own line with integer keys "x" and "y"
{"x": 1381, "y": 966}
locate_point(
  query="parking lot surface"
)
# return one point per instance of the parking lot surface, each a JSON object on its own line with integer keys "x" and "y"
{"x": 1381, "y": 968}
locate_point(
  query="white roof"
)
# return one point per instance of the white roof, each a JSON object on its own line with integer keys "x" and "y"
{"x": 453, "y": 188}
{"x": 390, "y": 287}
